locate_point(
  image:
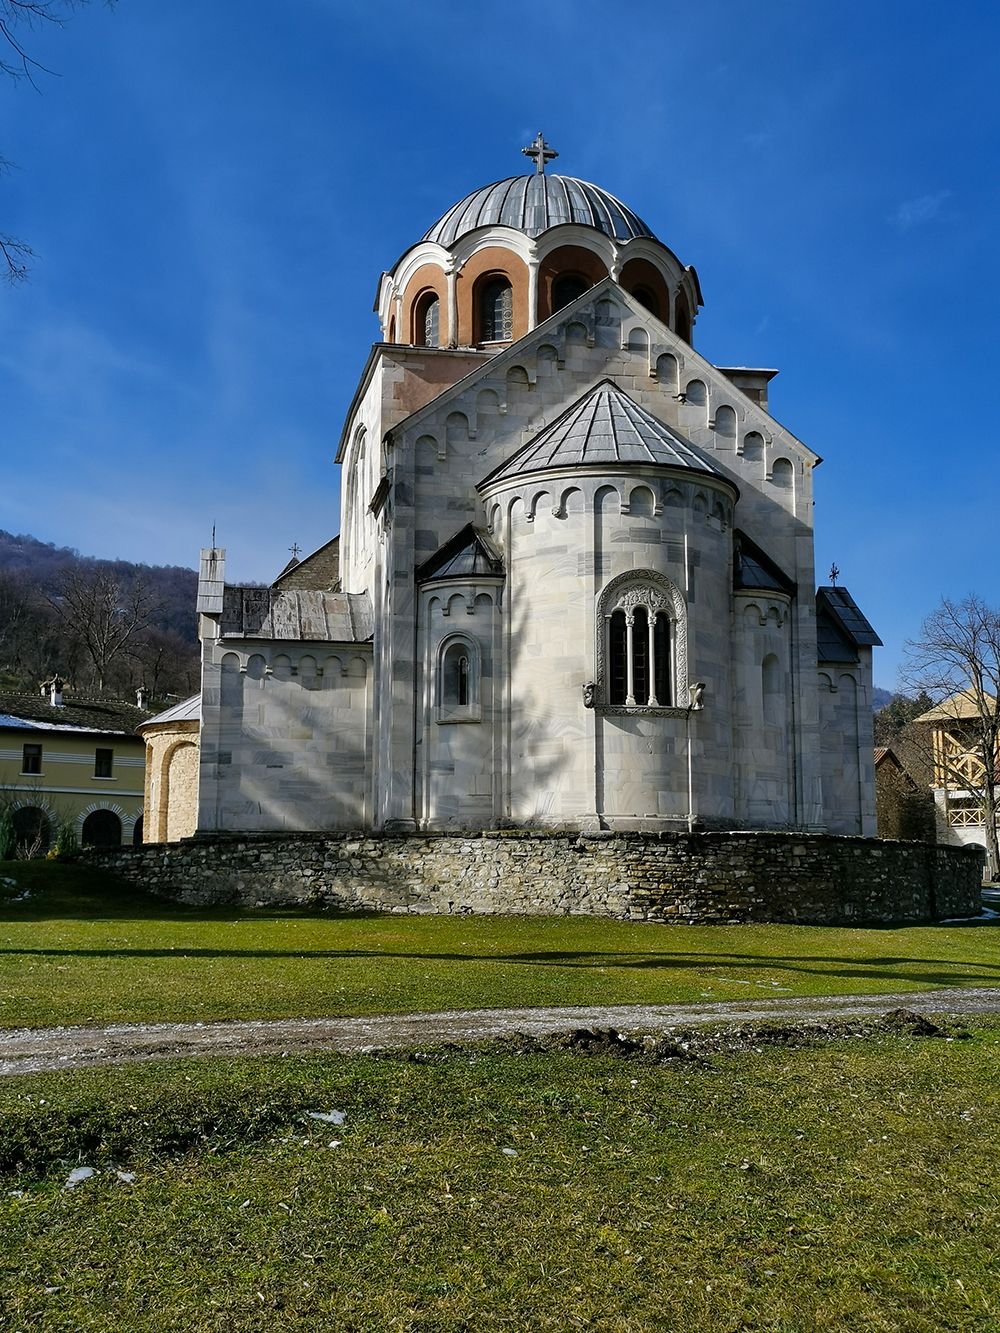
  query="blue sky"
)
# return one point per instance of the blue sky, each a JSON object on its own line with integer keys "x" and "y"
{"x": 214, "y": 186}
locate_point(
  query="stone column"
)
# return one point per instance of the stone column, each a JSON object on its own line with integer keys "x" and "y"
{"x": 452, "y": 274}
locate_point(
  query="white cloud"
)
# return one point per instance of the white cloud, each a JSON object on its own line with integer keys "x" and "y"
{"x": 914, "y": 212}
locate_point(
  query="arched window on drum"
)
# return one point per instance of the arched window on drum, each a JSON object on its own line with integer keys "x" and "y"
{"x": 496, "y": 311}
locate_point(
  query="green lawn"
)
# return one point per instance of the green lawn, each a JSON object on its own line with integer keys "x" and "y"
{"x": 79, "y": 949}
{"x": 850, "y": 1186}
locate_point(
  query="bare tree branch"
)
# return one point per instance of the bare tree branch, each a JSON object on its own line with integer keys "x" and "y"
{"x": 102, "y": 614}
{"x": 16, "y": 17}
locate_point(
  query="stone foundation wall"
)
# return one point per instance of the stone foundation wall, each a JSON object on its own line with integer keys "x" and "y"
{"x": 700, "y": 877}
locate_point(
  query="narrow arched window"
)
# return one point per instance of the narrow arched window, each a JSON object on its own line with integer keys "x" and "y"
{"x": 662, "y": 682}
{"x": 682, "y": 318}
{"x": 647, "y": 298}
{"x": 458, "y": 690}
{"x": 496, "y": 311}
{"x": 428, "y": 321}
{"x": 566, "y": 289}
{"x": 640, "y": 656}
{"x": 618, "y": 660}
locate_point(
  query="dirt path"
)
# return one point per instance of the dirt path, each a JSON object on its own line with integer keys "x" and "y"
{"x": 26, "y": 1051}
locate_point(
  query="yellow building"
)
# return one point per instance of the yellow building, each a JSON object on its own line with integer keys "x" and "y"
{"x": 71, "y": 761}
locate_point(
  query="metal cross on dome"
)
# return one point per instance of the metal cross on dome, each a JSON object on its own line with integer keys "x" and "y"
{"x": 541, "y": 152}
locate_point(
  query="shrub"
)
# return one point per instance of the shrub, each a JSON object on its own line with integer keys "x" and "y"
{"x": 7, "y": 839}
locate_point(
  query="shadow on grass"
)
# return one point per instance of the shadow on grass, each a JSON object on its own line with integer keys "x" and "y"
{"x": 925, "y": 971}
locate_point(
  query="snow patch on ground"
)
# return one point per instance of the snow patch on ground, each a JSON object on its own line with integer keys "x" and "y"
{"x": 78, "y": 1175}
{"x": 330, "y": 1117}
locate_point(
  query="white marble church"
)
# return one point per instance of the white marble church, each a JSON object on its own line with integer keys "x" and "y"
{"x": 574, "y": 584}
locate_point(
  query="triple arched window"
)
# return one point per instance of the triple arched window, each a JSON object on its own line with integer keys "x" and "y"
{"x": 642, "y": 643}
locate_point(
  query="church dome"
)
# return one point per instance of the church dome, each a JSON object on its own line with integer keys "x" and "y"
{"x": 512, "y": 254}
{"x": 533, "y": 204}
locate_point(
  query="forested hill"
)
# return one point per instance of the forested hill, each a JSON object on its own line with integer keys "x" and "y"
{"x": 174, "y": 587}
{"x": 107, "y": 626}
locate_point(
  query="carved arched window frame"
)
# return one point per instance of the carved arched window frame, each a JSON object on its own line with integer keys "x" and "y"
{"x": 647, "y": 604}
{"x": 457, "y": 686}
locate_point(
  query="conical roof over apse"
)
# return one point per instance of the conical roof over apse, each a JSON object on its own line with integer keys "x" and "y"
{"x": 605, "y": 428}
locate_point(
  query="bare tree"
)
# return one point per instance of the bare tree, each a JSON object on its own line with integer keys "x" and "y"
{"x": 956, "y": 660}
{"x": 17, "y": 19}
{"x": 103, "y": 614}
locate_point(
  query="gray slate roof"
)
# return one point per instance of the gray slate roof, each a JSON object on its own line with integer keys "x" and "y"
{"x": 470, "y": 553}
{"x": 301, "y": 614}
{"x": 32, "y": 712}
{"x": 840, "y": 627}
{"x": 604, "y": 428}
{"x": 535, "y": 203}
{"x": 189, "y": 710}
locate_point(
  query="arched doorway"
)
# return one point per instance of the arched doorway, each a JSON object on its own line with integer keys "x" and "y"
{"x": 137, "y": 833}
{"x": 102, "y": 828}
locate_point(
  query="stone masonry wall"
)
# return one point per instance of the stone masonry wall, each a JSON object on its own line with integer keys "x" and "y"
{"x": 701, "y": 877}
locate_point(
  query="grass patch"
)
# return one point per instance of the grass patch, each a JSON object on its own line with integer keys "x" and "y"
{"x": 847, "y": 1186}
{"x": 76, "y": 947}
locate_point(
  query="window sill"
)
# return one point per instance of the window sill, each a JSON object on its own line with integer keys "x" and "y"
{"x": 103, "y": 777}
{"x": 31, "y": 775}
{"x": 638, "y": 710}
{"x": 458, "y": 716}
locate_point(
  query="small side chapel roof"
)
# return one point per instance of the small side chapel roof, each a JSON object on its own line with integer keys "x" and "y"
{"x": 754, "y": 568}
{"x": 840, "y": 627}
{"x": 468, "y": 554}
{"x": 604, "y": 428}
{"x": 847, "y": 613}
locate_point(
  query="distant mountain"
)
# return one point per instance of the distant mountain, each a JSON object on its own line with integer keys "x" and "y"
{"x": 40, "y": 634}
{"x": 881, "y": 697}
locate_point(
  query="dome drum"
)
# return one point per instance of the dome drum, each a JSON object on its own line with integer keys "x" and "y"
{"x": 551, "y": 238}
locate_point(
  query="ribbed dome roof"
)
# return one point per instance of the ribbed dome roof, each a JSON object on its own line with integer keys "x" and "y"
{"x": 604, "y": 428}
{"x": 535, "y": 203}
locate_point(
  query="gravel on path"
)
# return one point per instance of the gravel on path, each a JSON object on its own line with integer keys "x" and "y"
{"x": 37, "y": 1050}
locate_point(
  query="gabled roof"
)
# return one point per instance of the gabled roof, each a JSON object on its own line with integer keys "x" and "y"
{"x": 108, "y": 717}
{"x": 320, "y": 570}
{"x": 604, "y": 428}
{"x": 188, "y": 710}
{"x": 468, "y": 554}
{"x": 303, "y": 615}
{"x": 754, "y": 568}
{"x": 491, "y": 365}
{"x": 957, "y": 707}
